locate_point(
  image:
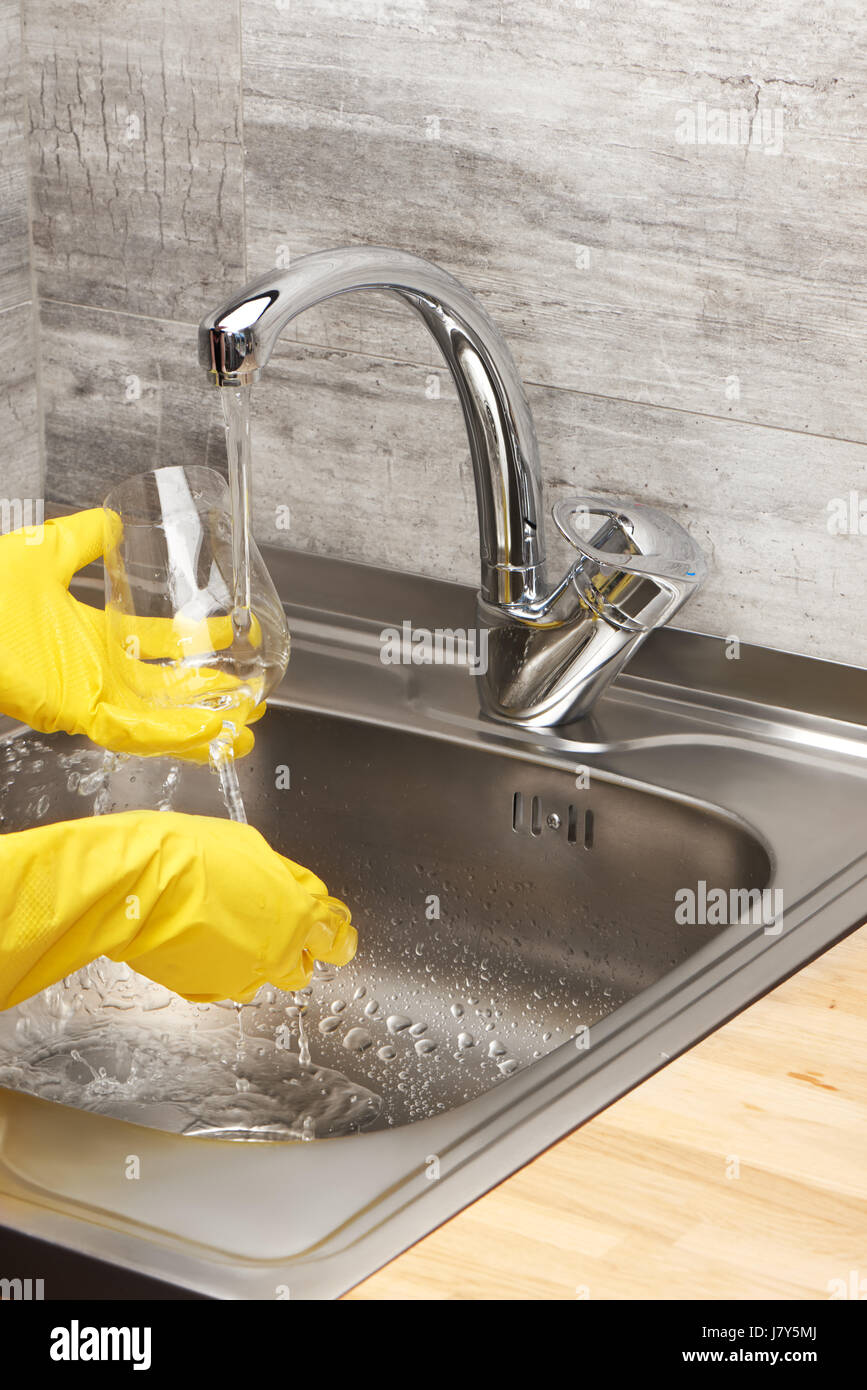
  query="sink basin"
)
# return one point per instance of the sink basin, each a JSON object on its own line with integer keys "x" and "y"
{"x": 489, "y": 937}
{"x": 522, "y": 959}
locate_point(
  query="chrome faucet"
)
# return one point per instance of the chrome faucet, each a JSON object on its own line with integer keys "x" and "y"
{"x": 552, "y": 649}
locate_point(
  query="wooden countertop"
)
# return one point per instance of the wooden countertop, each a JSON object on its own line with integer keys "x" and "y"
{"x": 739, "y": 1171}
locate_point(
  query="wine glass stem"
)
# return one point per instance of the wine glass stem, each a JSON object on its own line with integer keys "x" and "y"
{"x": 223, "y": 763}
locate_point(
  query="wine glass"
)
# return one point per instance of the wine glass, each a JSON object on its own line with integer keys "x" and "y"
{"x": 175, "y": 634}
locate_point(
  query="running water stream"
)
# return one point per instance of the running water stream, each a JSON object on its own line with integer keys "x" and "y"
{"x": 236, "y": 414}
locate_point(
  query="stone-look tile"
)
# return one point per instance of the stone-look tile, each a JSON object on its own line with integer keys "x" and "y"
{"x": 536, "y": 155}
{"x": 136, "y": 153}
{"x": 20, "y": 466}
{"x": 121, "y": 394}
{"x": 370, "y": 458}
{"x": 14, "y": 250}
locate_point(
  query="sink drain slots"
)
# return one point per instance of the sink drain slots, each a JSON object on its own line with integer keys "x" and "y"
{"x": 529, "y": 816}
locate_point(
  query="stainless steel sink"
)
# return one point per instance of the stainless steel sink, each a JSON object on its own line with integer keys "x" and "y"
{"x": 489, "y": 937}
{"x": 521, "y": 959}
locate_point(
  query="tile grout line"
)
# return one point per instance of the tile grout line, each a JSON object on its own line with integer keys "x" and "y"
{"x": 19, "y": 304}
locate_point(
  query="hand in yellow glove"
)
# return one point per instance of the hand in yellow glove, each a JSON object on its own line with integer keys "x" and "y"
{"x": 55, "y": 671}
{"x": 202, "y": 906}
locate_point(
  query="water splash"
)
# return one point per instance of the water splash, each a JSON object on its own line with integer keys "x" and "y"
{"x": 179, "y": 1066}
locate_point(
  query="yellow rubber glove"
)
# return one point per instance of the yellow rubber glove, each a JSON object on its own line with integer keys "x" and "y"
{"x": 200, "y": 905}
{"x": 55, "y": 671}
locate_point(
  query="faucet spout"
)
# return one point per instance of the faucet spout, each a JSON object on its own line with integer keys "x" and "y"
{"x": 237, "y": 339}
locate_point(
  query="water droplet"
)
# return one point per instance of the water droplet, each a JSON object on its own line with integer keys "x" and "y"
{"x": 397, "y": 1022}
{"x": 357, "y": 1040}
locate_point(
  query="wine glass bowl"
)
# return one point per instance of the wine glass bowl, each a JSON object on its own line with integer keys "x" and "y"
{"x": 176, "y": 636}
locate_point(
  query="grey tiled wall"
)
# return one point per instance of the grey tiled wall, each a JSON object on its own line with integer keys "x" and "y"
{"x": 20, "y": 470}
{"x": 662, "y": 206}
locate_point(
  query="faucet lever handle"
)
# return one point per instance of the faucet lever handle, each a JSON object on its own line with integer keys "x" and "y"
{"x": 635, "y": 565}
